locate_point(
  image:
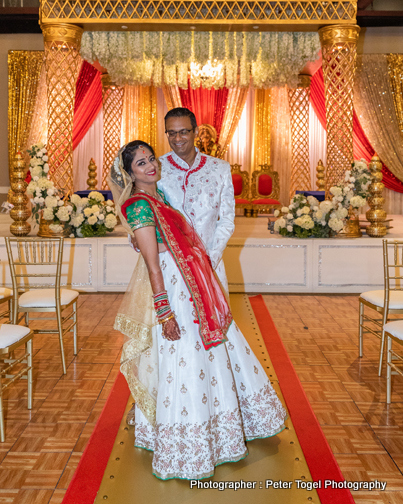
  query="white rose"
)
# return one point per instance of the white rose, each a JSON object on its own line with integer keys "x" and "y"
{"x": 325, "y": 206}
{"x": 48, "y": 214}
{"x": 357, "y": 202}
{"x": 87, "y": 211}
{"x": 313, "y": 201}
{"x": 35, "y": 179}
{"x": 290, "y": 216}
{"x": 341, "y": 213}
{"x": 101, "y": 217}
{"x": 289, "y": 229}
{"x": 111, "y": 221}
{"x": 96, "y": 196}
{"x": 318, "y": 215}
{"x": 92, "y": 220}
{"x": 299, "y": 212}
{"x": 39, "y": 154}
{"x": 60, "y": 203}
{"x": 51, "y": 201}
{"x": 109, "y": 202}
{"x": 291, "y": 207}
{"x": 45, "y": 158}
{"x": 77, "y": 220}
{"x": 46, "y": 168}
{"x": 276, "y": 213}
{"x": 284, "y": 210}
{"x": 56, "y": 228}
{"x": 306, "y": 210}
{"x": 76, "y": 200}
{"x": 336, "y": 191}
{"x": 63, "y": 214}
{"x": 336, "y": 224}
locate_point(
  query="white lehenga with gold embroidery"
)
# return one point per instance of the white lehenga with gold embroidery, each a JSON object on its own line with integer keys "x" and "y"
{"x": 207, "y": 402}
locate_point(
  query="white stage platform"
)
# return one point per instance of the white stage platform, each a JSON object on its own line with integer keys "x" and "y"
{"x": 256, "y": 261}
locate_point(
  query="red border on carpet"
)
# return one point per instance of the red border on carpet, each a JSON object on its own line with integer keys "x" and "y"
{"x": 320, "y": 459}
{"x": 87, "y": 477}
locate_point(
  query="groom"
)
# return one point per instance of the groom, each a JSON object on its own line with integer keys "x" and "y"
{"x": 199, "y": 186}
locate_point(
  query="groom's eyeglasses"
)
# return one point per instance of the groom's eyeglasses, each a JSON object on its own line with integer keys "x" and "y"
{"x": 182, "y": 133}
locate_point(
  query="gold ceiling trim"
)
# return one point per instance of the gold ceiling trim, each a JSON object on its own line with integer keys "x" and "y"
{"x": 168, "y": 15}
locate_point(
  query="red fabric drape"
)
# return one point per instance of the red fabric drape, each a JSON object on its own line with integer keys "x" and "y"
{"x": 361, "y": 146}
{"x": 88, "y": 101}
{"x": 208, "y": 105}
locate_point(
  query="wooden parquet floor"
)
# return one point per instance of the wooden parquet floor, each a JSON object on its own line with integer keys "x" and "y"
{"x": 43, "y": 446}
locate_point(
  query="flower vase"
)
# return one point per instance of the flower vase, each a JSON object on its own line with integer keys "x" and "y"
{"x": 352, "y": 227}
{"x": 44, "y": 230}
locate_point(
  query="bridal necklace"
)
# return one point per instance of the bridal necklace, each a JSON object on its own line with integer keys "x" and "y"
{"x": 158, "y": 197}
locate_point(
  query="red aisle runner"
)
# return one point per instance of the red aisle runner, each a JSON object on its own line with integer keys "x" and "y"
{"x": 321, "y": 462}
{"x": 88, "y": 475}
{"x": 319, "y": 456}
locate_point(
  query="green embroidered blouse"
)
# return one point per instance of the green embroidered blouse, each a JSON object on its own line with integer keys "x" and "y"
{"x": 139, "y": 215}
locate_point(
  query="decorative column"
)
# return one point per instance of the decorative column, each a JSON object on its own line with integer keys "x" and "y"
{"x": 339, "y": 48}
{"x": 20, "y": 212}
{"x": 298, "y": 99}
{"x": 376, "y": 215}
{"x": 62, "y": 59}
{"x": 112, "y": 102}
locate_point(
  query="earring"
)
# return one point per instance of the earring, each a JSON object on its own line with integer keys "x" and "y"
{"x": 133, "y": 178}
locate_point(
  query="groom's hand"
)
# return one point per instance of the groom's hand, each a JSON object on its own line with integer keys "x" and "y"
{"x": 133, "y": 242}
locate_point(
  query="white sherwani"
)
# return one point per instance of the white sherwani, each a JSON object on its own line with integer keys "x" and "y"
{"x": 204, "y": 194}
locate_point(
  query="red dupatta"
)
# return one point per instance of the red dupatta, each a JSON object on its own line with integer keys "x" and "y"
{"x": 187, "y": 250}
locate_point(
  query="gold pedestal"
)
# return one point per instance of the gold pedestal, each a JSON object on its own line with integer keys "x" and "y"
{"x": 20, "y": 212}
{"x": 376, "y": 214}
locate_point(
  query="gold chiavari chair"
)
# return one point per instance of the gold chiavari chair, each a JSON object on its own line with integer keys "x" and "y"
{"x": 6, "y": 296}
{"x": 33, "y": 259}
{"x": 394, "y": 360}
{"x": 386, "y": 302}
{"x": 11, "y": 338}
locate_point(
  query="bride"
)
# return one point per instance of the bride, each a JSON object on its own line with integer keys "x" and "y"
{"x": 199, "y": 390}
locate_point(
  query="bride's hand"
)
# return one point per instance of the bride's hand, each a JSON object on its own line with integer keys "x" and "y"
{"x": 170, "y": 330}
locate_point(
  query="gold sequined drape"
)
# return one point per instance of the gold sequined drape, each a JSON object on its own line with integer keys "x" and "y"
{"x": 233, "y": 111}
{"x": 140, "y": 114}
{"x": 395, "y": 65}
{"x": 262, "y": 127}
{"x": 172, "y": 96}
{"x": 39, "y": 125}
{"x": 281, "y": 140}
{"x": 24, "y": 68}
{"x": 373, "y": 102}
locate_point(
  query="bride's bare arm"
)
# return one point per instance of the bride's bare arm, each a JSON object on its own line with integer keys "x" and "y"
{"x": 161, "y": 246}
{"x": 148, "y": 245}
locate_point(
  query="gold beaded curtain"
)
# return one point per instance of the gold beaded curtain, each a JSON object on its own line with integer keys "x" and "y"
{"x": 395, "y": 67}
{"x": 262, "y": 127}
{"x": 24, "y": 69}
{"x": 140, "y": 114}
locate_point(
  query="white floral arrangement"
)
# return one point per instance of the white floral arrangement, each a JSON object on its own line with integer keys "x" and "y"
{"x": 92, "y": 216}
{"x": 306, "y": 217}
{"x": 40, "y": 188}
{"x": 145, "y": 58}
{"x": 353, "y": 191}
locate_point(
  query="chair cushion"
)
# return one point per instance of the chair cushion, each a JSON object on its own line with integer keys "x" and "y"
{"x": 237, "y": 182}
{"x": 265, "y": 201}
{"x": 45, "y": 298}
{"x": 4, "y": 292}
{"x": 240, "y": 201}
{"x": 395, "y": 328}
{"x": 376, "y": 298}
{"x": 265, "y": 184}
{"x": 10, "y": 334}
